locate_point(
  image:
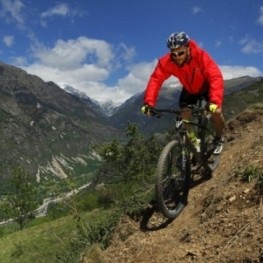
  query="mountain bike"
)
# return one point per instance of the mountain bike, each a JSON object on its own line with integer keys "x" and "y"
{"x": 183, "y": 155}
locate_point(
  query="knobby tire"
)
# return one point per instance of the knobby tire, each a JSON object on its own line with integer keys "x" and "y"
{"x": 212, "y": 159}
{"x": 172, "y": 183}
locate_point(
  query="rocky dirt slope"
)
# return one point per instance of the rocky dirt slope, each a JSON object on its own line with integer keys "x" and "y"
{"x": 223, "y": 221}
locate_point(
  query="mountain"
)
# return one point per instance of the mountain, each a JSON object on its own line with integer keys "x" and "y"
{"x": 129, "y": 111}
{"x": 44, "y": 128}
{"x": 79, "y": 95}
{"x": 236, "y": 84}
{"x": 168, "y": 98}
{"x": 104, "y": 108}
{"x": 49, "y": 130}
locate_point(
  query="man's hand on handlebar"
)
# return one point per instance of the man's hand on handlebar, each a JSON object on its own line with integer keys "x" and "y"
{"x": 211, "y": 107}
{"x": 147, "y": 109}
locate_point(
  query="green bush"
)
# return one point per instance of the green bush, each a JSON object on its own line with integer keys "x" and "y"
{"x": 252, "y": 173}
{"x": 133, "y": 161}
{"x": 89, "y": 232}
{"x": 57, "y": 210}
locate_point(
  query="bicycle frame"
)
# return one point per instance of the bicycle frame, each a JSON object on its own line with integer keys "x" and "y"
{"x": 188, "y": 147}
{"x": 203, "y": 154}
{"x": 174, "y": 168}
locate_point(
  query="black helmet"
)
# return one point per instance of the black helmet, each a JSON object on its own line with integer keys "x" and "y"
{"x": 178, "y": 39}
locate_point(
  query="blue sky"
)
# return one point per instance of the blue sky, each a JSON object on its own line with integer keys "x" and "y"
{"x": 108, "y": 48}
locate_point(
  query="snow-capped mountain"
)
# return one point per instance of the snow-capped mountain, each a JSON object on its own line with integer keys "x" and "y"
{"x": 106, "y": 108}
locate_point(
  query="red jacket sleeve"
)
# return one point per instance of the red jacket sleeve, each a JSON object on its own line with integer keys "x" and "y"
{"x": 214, "y": 77}
{"x": 159, "y": 75}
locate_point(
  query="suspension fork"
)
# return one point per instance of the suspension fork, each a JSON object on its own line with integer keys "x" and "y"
{"x": 202, "y": 121}
{"x": 185, "y": 150}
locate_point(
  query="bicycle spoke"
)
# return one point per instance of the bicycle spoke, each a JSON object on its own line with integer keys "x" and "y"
{"x": 174, "y": 169}
{"x": 171, "y": 187}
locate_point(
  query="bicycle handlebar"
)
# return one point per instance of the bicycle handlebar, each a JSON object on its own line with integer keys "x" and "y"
{"x": 195, "y": 110}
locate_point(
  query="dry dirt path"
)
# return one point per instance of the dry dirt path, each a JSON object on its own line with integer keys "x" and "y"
{"x": 223, "y": 221}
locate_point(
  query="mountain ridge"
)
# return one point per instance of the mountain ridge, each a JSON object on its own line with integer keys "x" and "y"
{"x": 168, "y": 98}
{"x": 42, "y": 125}
{"x": 39, "y": 121}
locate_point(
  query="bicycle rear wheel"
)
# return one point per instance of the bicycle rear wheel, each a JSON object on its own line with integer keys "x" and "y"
{"x": 172, "y": 180}
{"x": 212, "y": 159}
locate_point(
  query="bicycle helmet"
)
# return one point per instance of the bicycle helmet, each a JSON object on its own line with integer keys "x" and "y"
{"x": 178, "y": 39}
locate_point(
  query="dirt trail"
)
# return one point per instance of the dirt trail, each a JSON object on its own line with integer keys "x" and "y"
{"x": 223, "y": 221}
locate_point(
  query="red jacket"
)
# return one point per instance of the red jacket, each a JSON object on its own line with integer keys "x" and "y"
{"x": 197, "y": 75}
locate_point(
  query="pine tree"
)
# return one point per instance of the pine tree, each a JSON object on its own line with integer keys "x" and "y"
{"x": 23, "y": 200}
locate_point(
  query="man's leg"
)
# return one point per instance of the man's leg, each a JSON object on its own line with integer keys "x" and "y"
{"x": 185, "y": 100}
{"x": 219, "y": 125}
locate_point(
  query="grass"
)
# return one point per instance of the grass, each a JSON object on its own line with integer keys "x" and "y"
{"x": 36, "y": 244}
{"x": 62, "y": 240}
{"x": 46, "y": 239}
{"x": 239, "y": 101}
{"x": 251, "y": 173}
{"x": 42, "y": 243}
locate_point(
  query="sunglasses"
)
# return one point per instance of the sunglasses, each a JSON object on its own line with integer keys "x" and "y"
{"x": 178, "y": 54}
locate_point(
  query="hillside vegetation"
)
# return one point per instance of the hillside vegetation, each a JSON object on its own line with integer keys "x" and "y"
{"x": 223, "y": 221}
{"x": 45, "y": 129}
{"x": 117, "y": 221}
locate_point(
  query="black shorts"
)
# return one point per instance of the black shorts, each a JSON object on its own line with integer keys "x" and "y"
{"x": 190, "y": 99}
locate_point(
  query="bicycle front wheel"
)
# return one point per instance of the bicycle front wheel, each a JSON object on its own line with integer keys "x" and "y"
{"x": 172, "y": 180}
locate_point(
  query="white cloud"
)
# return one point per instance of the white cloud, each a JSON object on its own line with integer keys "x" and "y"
{"x": 218, "y": 43}
{"x": 201, "y": 44}
{"x": 230, "y": 72}
{"x": 197, "y": 9}
{"x": 8, "y": 40}
{"x": 19, "y": 61}
{"x": 12, "y": 11}
{"x": 260, "y": 18}
{"x": 87, "y": 64}
{"x": 74, "y": 53}
{"x": 135, "y": 81}
{"x": 59, "y": 10}
{"x": 62, "y": 10}
{"x": 250, "y": 45}
{"x": 82, "y": 63}
{"x": 127, "y": 53}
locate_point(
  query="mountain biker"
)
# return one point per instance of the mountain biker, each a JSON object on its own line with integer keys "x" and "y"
{"x": 199, "y": 76}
